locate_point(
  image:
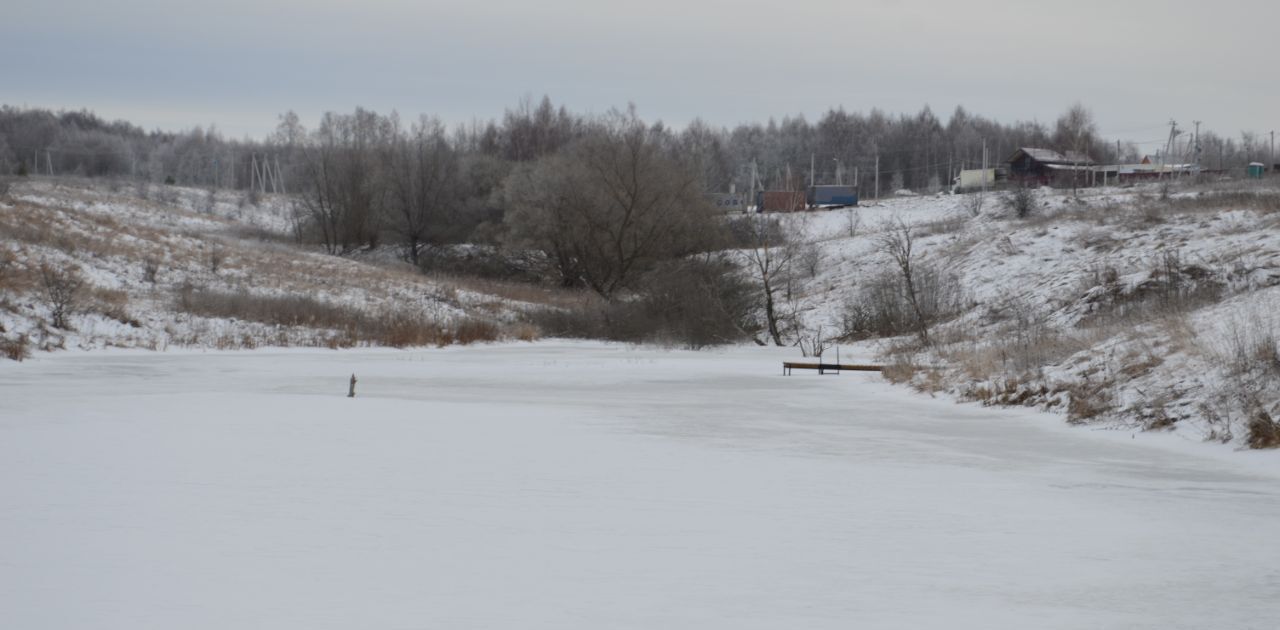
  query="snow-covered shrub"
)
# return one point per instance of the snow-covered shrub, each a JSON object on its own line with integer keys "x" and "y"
{"x": 1021, "y": 201}
{"x": 973, "y": 204}
{"x": 1264, "y": 431}
{"x": 7, "y": 265}
{"x": 62, "y": 289}
{"x": 470, "y": 330}
{"x": 1171, "y": 286}
{"x": 16, "y": 348}
{"x": 882, "y": 306}
{"x": 484, "y": 261}
{"x": 1089, "y": 398}
{"x": 694, "y": 303}
{"x": 150, "y": 269}
{"x": 113, "y": 304}
{"x": 217, "y": 255}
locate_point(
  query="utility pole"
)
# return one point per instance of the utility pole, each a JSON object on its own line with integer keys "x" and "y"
{"x": 279, "y": 176}
{"x": 984, "y": 166}
{"x": 877, "y": 172}
{"x": 1168, "y": 146}
{"x": 813, "y": 169}
{"x": 1271, "y": 153}
{"x": 1197, "y": 145}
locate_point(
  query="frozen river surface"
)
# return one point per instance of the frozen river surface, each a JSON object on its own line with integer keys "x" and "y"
{"x": 576, "y": 485}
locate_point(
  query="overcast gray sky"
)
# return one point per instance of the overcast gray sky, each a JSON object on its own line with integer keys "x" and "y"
{"x": 239, "y": 63}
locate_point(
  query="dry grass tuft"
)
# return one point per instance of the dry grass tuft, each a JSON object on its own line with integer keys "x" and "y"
{"x": 1263, "y": 430}
{"x": 345, "y": 326}
{"x": 1088, "y": 400}
{"x": 17, "y": 348}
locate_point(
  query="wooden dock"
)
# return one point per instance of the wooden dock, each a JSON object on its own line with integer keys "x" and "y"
{"x": 834, "y": 368}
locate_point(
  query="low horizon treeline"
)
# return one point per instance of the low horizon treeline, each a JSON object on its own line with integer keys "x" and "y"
{"x": 918, "y": 151}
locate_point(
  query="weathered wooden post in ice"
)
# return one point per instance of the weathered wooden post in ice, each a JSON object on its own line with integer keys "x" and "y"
{"x": 351, "y": 392}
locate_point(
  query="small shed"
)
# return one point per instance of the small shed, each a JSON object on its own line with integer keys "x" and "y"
{"x": 1046, "y": 167}
{"x": 780, "y": 201}
{"x": 1256, "y": 169}
{"x": 832, "y": 196}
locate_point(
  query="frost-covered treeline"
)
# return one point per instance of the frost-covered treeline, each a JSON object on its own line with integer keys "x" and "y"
{"x": 918, "y": 151}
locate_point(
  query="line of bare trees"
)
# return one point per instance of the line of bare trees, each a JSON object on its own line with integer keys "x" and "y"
{"x": 917, "y": 151}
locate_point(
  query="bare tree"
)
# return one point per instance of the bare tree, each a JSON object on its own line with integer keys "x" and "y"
{"x": 898, "y": 243}
{"x": 770, "y": 257}
{"x": 422, "y": 175}
{"x": 343, "y": 196}
{"x": 1076, "y": 133}
{"x": 62, "y": 288}
{"x": 610, "y": 205}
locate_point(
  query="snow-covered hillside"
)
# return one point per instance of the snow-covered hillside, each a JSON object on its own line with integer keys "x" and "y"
{"x": 160, "y": 266}
{"x": 1138, "y": 307}
{"x": 1150, "y": 307}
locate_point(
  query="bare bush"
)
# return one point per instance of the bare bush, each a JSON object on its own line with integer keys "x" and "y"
{"x": 389, "y": 327}
{"x": 1263, "y": 430}
{"x": 876, "y": 311}
{"x": 881, "y": 307}
{"x": 286, "y": 310}
{"x": 486, "y": 262}
{"x": 1173, "y": 286}
{"x": 897, "y": 242}
{"x": 150, "y": 269}
{"x": 111, "y": 303}
{"x": 167, "y": 195}
{"x": 854, "y": 220}
{"x": 251, "y": 197}
{"x": 62, "y": 289}
{"x": 695, "y": 303}
{"x": 813, "y": 343}
{"x": 1089, "y": 399}
{"x": 7, "y": 264}
{"x": 698, "y": 302}
{"x": 973, "y": 204}
{"x": 1021, "y": 201}
{"x": 589, "y": 319}
{"x": 16, "y": 348}
{"x": 210, "y": 201}
{"x": 217, "y": 256}
{"x": 771, "y": 259}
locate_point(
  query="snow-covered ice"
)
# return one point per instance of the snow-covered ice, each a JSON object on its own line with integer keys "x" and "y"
{"x": 582, "y": 485}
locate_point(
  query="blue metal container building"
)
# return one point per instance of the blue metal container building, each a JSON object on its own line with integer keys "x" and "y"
{"x": 832, "y": 195}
